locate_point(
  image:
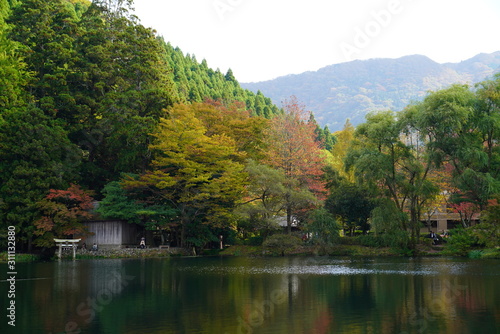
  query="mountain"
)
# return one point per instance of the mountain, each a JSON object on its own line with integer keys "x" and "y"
{"x": 350, "y": 90}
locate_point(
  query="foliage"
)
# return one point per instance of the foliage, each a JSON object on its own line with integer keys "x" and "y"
{"x": 264, "y": 197}
{"x": 453, "y": 122}
{"x": 196, "y": 82}
{"x": 35, "y": 155}
{"x": 118, "y": 203}
{"x": 62, "y": 214}
{"x": 323, "y": 227}
{"x": 294, "y": 150}
{"x": 492, "y": 213}
{"x": 83, "y": 86}
{"x": 87, "y": 94}
{"x": 386, "y": 221}
{"x": 487, "y": 234}
{"x": 352, "y": 204}
{"x": 461, "y": 242}
{"x": 198, "y": 235}
{"x": 197, "y": 174}
{"x": 279, "y": 244}
{"x": 385, "y": 160}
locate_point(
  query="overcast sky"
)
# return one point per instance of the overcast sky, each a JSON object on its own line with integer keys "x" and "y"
{"x": 263, "y": 39}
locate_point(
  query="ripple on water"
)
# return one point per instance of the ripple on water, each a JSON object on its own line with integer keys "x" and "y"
{"x": 334, "y": 269}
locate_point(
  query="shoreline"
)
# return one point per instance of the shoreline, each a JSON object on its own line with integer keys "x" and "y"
{"x": 255, "y": 251}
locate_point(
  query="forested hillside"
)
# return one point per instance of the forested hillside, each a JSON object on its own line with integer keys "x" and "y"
{"x": 351, "y": 90}
{"x": 82, "y": 88}
{"x": 100, "y": 118}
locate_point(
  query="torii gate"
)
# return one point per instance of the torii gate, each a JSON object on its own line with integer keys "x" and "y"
{"x": 67, "y": 243}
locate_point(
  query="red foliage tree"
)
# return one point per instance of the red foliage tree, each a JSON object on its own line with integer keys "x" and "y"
{"x": 62, "y": 214}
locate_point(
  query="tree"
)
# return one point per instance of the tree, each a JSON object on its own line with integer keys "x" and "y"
{"x": 386, "y": 160}
{"x": 265, "y": 192}
{"x": 323, "y": 227}
{"x": 46, "y": 30}
{"x": 137, "y": 208}
{"x": 117, "y": 204}
{"x": 121, "y": 85}
{"x": 459, "y": 128}
{"x": 199, "y": 175}
{"x": 13, "y": 76}
{"x": 293, "y": 149}
{"x": 350, "y": 202}
{"x": 279, "y": 243}
{"x": 344, "y": 139}
{"x": 234, "y": 121}
{"x": 35, "y": 156}
{"x": 62, "y": 214}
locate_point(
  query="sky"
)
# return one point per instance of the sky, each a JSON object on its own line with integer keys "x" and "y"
{"x": 264, "y": 39}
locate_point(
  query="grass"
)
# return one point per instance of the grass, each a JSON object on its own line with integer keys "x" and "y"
{"x": 20, "y": 257}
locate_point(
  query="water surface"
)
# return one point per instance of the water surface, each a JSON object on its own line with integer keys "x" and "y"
{"x": 257, "y": 295}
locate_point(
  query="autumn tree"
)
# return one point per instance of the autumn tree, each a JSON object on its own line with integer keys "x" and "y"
{"x": 294, "y": 150}
{"x": 62, "y": 214}
{"x": 197, "y": 174}
{"x": 235, "y": 121}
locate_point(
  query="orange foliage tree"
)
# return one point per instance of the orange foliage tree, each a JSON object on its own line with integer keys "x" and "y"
{"x": 294, "y": 150}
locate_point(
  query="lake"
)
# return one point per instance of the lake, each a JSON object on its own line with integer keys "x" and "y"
{"x": 256, "y": 295}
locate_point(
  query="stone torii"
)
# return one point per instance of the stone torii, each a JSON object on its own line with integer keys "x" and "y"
{"x": 67, "y": 243}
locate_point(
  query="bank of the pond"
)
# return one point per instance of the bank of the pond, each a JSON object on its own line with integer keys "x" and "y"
{"x": 259, "y": 251}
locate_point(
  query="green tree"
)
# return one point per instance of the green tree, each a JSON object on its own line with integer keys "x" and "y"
{"x": 46, "y": 30}
{"x": 279, "y": 244}
{"x": 384, "y": 159}
{"x": 264, "y": 197}
{"x": 13, "y": 76}
{"x": 35, "y": 156}
{"x": 460, "y": 127}
{"x": 323, "y": 227}
{"x": 136, "y": 208}
{"x": 352, "y": 204}
{"x": 121, "y": 85}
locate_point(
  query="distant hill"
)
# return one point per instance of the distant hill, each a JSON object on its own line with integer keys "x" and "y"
{"x": 349, "y": 90}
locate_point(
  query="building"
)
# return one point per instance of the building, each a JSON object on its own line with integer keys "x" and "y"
{"x": 113, "y": 234}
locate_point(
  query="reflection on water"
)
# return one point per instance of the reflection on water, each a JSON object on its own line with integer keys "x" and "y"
{"x": 258, "y": 295}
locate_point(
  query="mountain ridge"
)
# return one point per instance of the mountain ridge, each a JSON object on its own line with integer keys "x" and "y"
{"x": 349, "y": 90}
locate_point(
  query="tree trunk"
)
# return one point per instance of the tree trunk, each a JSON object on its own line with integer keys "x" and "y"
{"x": 289, "y": 219}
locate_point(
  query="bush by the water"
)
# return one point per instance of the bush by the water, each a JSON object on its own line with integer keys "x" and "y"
{"x": 279, "y": 244}
{"x": 461, "y": 242}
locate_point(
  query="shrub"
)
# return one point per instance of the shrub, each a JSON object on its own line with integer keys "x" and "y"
{"x": 254, "y": 241}
{"x": 475, "y": 254}
{"x": 278, "y": 244}
{"x": 369, "y": 240}
{"x": 461, "y": 242}
{"x": 487, "y": 234}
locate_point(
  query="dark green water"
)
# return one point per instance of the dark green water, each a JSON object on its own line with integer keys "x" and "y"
{"x": 263, "y": 295}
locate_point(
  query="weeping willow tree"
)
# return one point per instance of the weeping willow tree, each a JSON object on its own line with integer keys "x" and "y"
{"x": 461, "y": 128}
{"x": 384, "y": 159}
